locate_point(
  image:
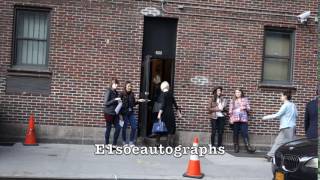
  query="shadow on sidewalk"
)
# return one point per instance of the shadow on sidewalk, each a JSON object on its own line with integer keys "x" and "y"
{"x": 258, "y": 154}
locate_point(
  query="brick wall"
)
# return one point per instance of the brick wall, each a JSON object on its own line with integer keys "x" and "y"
{"x": 94, "y": 40}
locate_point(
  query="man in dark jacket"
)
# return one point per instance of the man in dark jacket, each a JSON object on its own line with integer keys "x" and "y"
{"x": 311, "y": 117}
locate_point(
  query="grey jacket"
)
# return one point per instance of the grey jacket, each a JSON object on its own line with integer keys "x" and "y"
{"x": 109, "y": 103}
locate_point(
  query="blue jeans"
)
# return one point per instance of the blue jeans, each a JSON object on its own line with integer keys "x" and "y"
{"x": 129, "y": 118}
{"x": 242, "y": 128}
{"x": 112, "y": 120}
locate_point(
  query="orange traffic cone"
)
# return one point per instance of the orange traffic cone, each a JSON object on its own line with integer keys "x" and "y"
{"x": 31, "y": 133}
{"x": 194, "y": 169}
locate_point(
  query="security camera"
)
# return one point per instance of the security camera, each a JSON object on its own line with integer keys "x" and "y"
{"x": 303, "y": 18}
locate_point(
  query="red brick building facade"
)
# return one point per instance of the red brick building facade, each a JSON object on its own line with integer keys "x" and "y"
{"x": 80, "y": 44}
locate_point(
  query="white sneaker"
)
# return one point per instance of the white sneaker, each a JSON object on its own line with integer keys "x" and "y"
{"x": 131, "y": 144}
{"x": 124, "y": 143}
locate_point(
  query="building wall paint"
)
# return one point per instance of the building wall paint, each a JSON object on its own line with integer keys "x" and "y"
{"x": 92, "y": 41}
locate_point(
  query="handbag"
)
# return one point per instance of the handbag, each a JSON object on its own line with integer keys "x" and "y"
{"x": 159, "y": 127}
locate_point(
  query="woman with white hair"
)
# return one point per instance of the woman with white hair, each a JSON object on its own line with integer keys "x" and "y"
{"x": 166, "y": 113}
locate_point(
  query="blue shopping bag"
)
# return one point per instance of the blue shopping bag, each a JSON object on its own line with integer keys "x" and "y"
{"x": 159, "y": 127}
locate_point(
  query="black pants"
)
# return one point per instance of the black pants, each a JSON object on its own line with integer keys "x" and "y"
{"x": 217, "y": 126}
{"x": 112, "y": 120}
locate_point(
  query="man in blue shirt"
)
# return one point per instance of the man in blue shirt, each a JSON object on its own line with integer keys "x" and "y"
{"x": 288, "y": 115}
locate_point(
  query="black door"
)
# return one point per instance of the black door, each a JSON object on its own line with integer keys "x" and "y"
{"x": 159, "y": 48}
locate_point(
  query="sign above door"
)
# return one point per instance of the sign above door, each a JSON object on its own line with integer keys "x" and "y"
{"x": 151, "y": 11}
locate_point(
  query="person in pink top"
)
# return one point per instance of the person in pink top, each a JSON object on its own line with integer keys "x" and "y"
{"x": 239, "y": 114}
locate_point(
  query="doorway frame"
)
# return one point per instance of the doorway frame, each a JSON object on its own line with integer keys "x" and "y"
{"x": 145, "y": 90}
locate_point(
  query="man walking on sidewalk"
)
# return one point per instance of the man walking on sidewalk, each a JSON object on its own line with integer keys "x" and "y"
{"x": 288, "y": 115}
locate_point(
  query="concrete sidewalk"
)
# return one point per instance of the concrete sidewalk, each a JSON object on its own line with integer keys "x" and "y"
{"x": 69, "y": 161}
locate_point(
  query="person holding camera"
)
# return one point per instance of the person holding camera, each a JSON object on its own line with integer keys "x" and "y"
{"x": 217, "y": 110}
{"x": 239, "y": 109}
{"x": 127, "y": 112}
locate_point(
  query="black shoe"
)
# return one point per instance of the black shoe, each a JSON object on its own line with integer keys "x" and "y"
{"x": 249, "y": 148}
{"x": 236, "y": 144}
{"x": 153, "y": 135}
{"x": 220, "y": 145}
{"x": 158, "y": 146}
{"x": 268, "y": 158}
{"x": 236, "y": 148}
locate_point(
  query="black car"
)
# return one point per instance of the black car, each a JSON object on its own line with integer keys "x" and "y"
{"x": 296, "y": 160}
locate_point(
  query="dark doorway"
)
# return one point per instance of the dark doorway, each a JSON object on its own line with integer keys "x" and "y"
{"x": 159, "y": 48}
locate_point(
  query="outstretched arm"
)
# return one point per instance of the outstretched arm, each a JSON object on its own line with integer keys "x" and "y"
{"x": 177, "y": 107}
{"x": 276, "y": 115}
